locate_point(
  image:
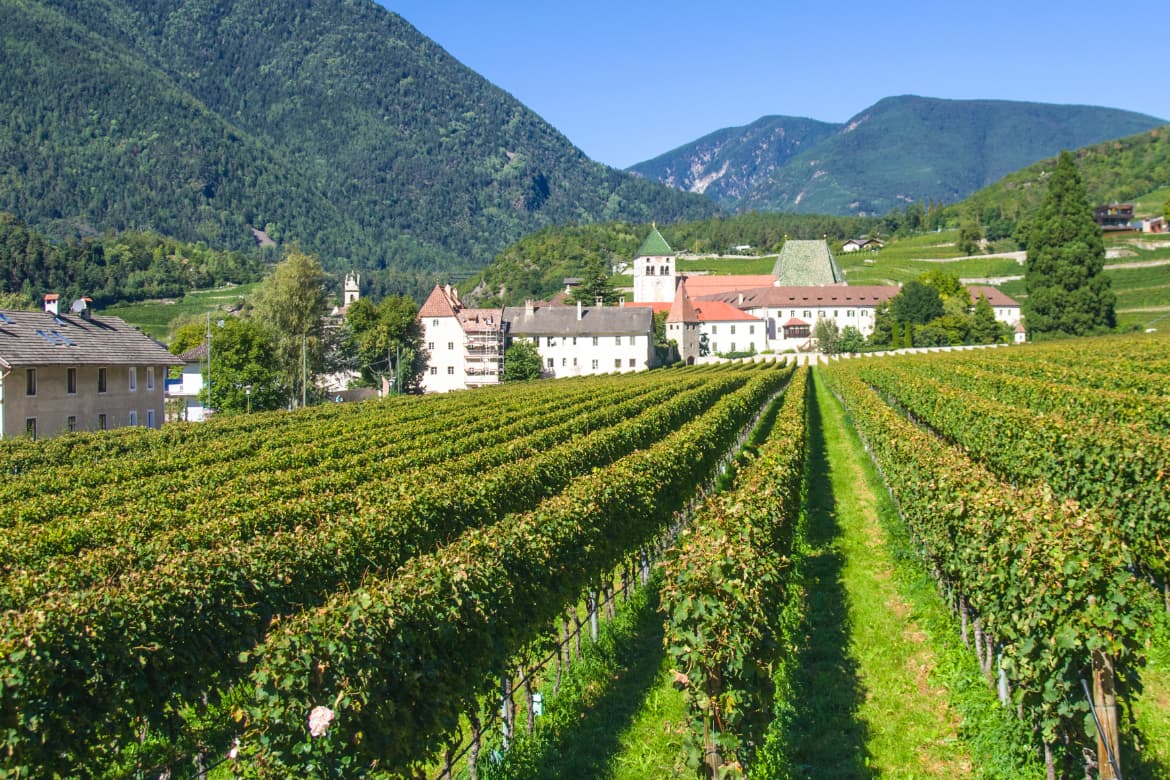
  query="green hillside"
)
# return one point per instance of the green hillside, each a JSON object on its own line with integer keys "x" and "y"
{"x": 905, "y": 149}
{"x": 1136, "y": 167}
{"x": 333, "y": 125}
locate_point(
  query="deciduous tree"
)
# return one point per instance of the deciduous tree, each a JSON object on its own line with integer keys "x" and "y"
{"x": 521, "y": 361}
{"x": 291, "y": 302}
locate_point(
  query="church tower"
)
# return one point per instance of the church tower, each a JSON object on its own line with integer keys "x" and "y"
{"x": 654, "y": 277}
{"x": 352, "y": 289}
{"x": 682, "y": 325}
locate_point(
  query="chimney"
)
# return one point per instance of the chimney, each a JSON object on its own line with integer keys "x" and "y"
{"x": 600, "y": 301}
{"x": 741, "y": 299}
{"x": 52, "y": 300}
{"x": 528, "y": 311}
{"x": 580, "y": 312}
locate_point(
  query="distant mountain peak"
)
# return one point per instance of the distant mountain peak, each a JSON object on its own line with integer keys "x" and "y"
{"x": 902, "y": 149}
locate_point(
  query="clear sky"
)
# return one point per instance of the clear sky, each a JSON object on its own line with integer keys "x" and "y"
{"x": 627, "y": 81}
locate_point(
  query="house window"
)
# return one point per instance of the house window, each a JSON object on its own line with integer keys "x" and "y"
{"x": 434, "y": 370}
{"x": 849, "y": 313}
{"x": 450, "y": 345}
{"x": 564, "y": 362}
{"x": 617, "y": 340}
{"x": 714, "y": 329}
{"x": 836, "y": 312}
{"x": 133, "y": 374}
{"x": 30, "y": 382}
{"x": 664, "y": 270}
{"x": 450, "y": 370}
{"x": 649, "y": 270}
{"x": 102, "y": 383}
{"x": 574, "y": 362}
{"x": 150, "y": 377}
{"x": 865, "y": 312}
{"x": 594, "y": 364}
{"x": 434, "y": 323}
{"x": 71, "y": 381}
{"x": 150, "y": 418}
{"x": 71, "y": 423}
{"x": 820, "y": 313}
{"x": 430, "y": 346}
{"x": 751, "y": 330}
{"x": 617, "y": 363}
{"x": 595, "y": 341}
{"x": 133, "y": 417}
{"x": 732, "y": 330}
{"x": 733, "y": 346}
{"x": 631, "y": 362}
{"x": 574, "y": 341}
{"x": 102, "y": 422}
{"x": 30, "y": 427}
{"x": 807, "y": 314}
{"x": 550, "y": 362}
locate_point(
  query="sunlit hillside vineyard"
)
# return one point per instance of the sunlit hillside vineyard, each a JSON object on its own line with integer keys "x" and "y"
{"x": 355, "y": 590}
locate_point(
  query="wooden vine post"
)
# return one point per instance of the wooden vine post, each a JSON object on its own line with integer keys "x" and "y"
{"x": 1105, "y": 707}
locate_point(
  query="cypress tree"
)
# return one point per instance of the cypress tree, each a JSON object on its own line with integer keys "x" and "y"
{"x": 1068, "y": 293}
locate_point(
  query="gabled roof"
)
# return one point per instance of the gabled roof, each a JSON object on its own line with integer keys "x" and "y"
{"x": 681, "y": 309}
{"x": 807, "y": 263}
{"x": 811, "y": 296}
{"x": 718, "y": 311}
{"x": 654, "y": 245}
{"x": 993, "y": 295}
{"x": 481, "y": 320}
{"x": 713, "y": 284}
{"x": 594, "y": 320}
{"x": 440, "y": 303}
{"x": 38, "y": 338}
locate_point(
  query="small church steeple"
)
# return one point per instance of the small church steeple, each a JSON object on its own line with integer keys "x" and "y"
{"x": 352, "y": 288}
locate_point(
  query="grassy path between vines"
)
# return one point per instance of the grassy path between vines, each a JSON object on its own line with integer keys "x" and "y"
{"x": 865, "y": 703}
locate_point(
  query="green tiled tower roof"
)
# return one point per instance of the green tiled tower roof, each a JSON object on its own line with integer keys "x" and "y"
{"x": 654, "y": 245}
{"x": 807, "y": 263}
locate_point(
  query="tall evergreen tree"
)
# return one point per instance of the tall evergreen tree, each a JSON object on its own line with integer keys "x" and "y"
{"x": 1068, "y": 293}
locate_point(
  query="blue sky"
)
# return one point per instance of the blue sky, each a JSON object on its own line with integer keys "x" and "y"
{"x": 626, "y": 81}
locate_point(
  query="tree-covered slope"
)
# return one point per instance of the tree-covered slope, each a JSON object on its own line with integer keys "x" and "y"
{"x": 915, "y": 149}
{"x": 1114, "y": 171}
{"x": 336, "y": 125}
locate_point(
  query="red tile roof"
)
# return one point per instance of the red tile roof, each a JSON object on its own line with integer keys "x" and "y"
{"x": 440, "y": 303}
{"x": 702, "y": 285}
{"x": 993, "y": 295}
{"x": 718, "y": 311}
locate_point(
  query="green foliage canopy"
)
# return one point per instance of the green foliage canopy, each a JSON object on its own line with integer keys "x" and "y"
{"x": 521, "y": 362}
{"x": 1068, "y": 293}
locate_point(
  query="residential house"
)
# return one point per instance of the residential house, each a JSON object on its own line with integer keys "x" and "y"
{"x": 464, "y": 346}
{"x": 1113, "y": 216}
{"x": 583, "y": 340}
{"x": 77, "y": 372}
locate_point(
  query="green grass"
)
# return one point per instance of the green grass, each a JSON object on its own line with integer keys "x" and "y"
{"x": 1152, "y": 203}
{"x": 616, "y": 714}
{"x": 866, "y": 704}
{"x": 1152, "y": 709}
{"x": 728, "y": 265}
{"x": 156, "y": 318}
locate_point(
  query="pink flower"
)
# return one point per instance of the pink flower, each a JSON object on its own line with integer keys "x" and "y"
{"x": 319, "y": 720}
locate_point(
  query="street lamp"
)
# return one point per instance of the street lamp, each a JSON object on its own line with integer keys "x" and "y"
{"x": 248, "y": 395}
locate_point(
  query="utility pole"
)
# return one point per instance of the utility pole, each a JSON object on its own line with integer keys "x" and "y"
{"x": 209, "y": 406}
{"x": 304, "y": 371}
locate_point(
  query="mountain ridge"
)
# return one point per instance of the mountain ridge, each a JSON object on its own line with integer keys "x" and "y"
{"x": 333, "y": 125}
{"x": 900, "y": 150}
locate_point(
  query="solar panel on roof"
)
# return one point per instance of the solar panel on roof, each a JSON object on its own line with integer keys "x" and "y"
{"x": 65, "y": 341}
{"x": 4, "y": 319}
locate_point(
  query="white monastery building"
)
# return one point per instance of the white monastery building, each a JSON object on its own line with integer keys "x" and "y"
{"x": 707, "y": 315}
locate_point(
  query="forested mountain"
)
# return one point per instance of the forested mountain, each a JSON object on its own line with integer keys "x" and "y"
{"x": 901, "y": 150}
{"x": 334, "y": 125}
